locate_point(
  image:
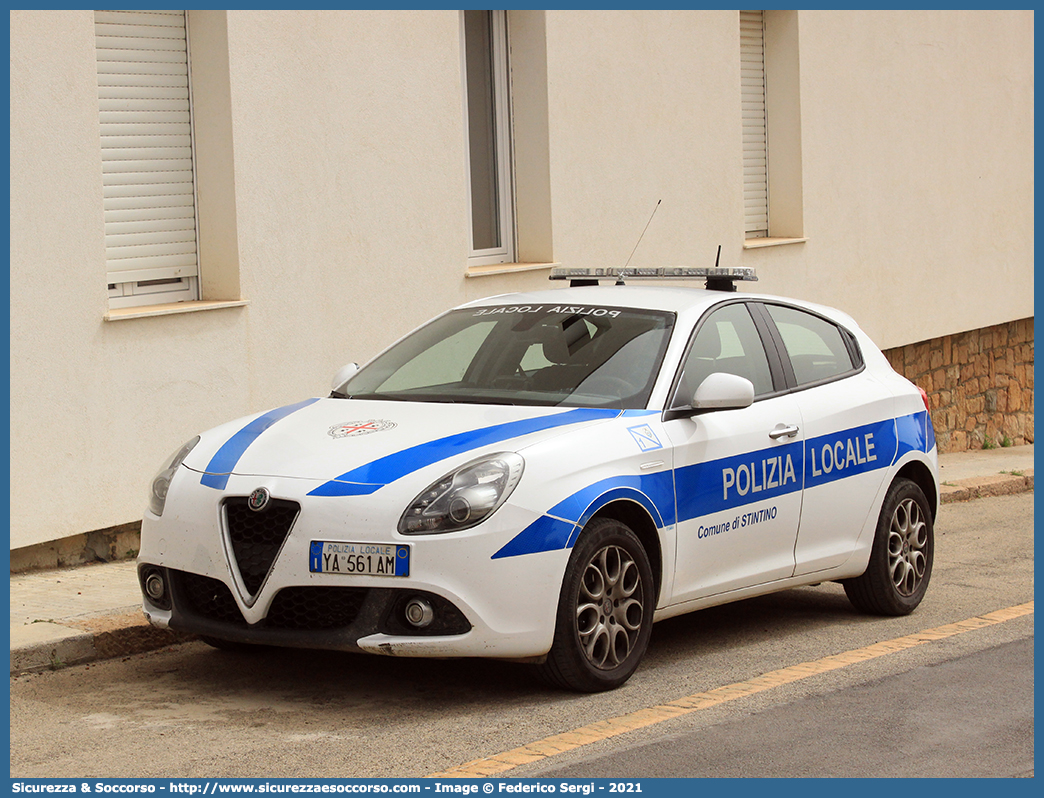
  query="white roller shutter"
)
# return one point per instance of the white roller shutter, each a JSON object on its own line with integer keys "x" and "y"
{"x": 147, "y": 163}
{"x": 755, "y": 138}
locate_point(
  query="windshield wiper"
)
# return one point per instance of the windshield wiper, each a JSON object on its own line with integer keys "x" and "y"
{"x": 387, "y": 397}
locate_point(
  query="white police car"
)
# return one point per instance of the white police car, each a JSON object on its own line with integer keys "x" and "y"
{"x": 542, "y": 476}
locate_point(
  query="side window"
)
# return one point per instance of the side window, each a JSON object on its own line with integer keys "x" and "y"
{"x": 816, "y": 347}
{"x": 727, "y": 342}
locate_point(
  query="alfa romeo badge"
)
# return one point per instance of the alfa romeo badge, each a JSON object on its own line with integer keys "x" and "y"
{"x": 258, "y": 500}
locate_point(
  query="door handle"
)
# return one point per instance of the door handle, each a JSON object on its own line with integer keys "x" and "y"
{"x": 783, "y": 431}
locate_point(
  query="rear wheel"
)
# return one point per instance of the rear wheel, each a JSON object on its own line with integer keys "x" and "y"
{"x": 900, "y": 565}
{"x": 605, "y": 610}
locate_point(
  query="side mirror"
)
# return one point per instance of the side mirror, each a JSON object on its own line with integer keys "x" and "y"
{"x": 341, "y": 378}
{"x": 722, "y": 391}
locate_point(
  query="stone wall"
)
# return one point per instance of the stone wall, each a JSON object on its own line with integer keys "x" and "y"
{"x": 979, "y": 384}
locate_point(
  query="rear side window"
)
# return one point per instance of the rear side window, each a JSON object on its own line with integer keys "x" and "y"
{"x": 816, "y": 347}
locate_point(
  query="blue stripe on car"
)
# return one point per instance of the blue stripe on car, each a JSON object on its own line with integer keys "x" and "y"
{"x": 701, "y": 487}
{"x": 558, "y": 529}
{"x": 655, "y": 492}
{"x": 224, "y": 460}
{"x": 763, "y": 474}
{"x": 544, "y": 534}
{"x": 372, "y": 476}
{"x": 912, "y": 432}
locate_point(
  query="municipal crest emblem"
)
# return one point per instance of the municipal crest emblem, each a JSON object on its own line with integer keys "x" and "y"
{"x": 352, "y": 429}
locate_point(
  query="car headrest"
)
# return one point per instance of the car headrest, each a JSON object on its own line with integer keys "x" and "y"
{"x": 561, "y": 343}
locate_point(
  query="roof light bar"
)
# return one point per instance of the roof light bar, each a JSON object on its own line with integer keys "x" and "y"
{"x": 720, "y": 278}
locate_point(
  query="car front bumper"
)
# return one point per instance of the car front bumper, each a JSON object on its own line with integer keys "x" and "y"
{"x": 481, "y": 606}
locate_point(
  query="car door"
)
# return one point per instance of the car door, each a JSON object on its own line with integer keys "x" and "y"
{"x": 737, "y": 472}
{"x": 849, "y": 431}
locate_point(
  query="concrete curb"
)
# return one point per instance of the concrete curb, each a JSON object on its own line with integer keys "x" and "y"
{"x": 49, "y": 646}
{"x": 980, "y": 487}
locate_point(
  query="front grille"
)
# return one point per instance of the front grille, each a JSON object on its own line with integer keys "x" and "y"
{"x": 209, "y": 598}
{"x": 305, "y": 608}
{"x": 315, "y": 607}
{"x": 257, "y": 536}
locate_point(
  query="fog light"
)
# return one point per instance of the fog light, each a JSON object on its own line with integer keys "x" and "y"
{"x": 155, "y": 587}
{"x": 419, "y": 613}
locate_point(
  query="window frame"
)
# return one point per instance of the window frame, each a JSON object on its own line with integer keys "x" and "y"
{"x": 503, "y": 163}
{"x": 140, "y": 293}
{"x": 160, "y": 285}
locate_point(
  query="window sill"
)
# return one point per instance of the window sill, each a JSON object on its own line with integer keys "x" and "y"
{"x": 120, "y": 314}
{"x": 506, "y": 268}
{"x": 758, "y": 243}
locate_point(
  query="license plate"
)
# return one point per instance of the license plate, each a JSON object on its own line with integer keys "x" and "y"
{"x": 358, "y": 559}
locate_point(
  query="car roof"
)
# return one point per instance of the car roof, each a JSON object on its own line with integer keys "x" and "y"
{"x": 645, "y": 297}
{"x": 682, "y": 300}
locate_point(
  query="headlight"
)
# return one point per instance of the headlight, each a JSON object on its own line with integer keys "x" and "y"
{"x": 161, "y": 482}
{"x": 465, "y": 497}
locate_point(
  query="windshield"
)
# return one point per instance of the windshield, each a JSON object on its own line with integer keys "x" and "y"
{"x": 524, "y": 355}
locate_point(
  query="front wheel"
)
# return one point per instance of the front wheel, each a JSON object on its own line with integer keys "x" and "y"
{"x": 605, "y": 610}
{"x": 900, "y": 565}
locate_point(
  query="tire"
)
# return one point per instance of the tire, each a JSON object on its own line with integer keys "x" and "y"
{"x": 605, "y": 611}
{"x": 900, "y": 566}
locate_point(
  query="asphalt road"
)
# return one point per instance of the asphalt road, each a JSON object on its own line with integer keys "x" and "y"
{"x": 956, "y": 706}
{"x": 955, "y": 715}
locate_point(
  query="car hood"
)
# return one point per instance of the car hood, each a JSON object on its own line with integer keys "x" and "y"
{"x": 356, "y": 446}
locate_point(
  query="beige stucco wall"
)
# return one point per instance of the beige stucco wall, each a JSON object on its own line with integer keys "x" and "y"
{"x": 645, "y": 107}
{"x": 916, "y": 153}
{"x": 344, "y": 138}
{"x": 917, "y": 130}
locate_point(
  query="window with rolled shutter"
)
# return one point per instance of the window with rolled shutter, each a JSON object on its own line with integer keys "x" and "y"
{"x": 147, "y": 158}
{"x": 755, "y": 138}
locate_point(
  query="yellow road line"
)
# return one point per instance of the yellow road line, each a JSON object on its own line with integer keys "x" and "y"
{"x": 604, "y": 729}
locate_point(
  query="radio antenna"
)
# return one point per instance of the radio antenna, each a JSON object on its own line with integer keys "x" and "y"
{"x": 643, "y": 232}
